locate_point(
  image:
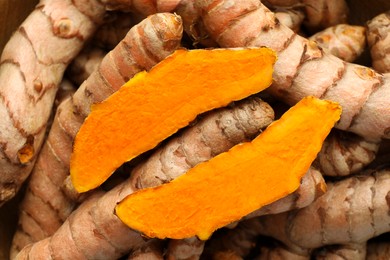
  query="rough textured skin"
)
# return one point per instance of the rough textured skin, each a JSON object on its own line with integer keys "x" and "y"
{"x": 344, "y": 153}
{"x": 31, "y": 67}
{"x": 112, "y": 239}
{"x": 340, "y": 252}
{"x": 378, "y": 40}
{"x": 344, "y": 41}
{"x": 353, "y": 210}
{"x": 144, "y": 7}
{"x": 45, "y": 205}
{"x": 84, "y": 64}
{"x": 302, "y": 68}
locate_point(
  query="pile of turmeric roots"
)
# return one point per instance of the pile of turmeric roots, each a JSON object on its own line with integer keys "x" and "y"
{"x": 70, "y": 54}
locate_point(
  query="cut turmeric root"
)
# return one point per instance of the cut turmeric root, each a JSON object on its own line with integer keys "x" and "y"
{"x": 154, "y": 105}
{"x": 264, "y": 170}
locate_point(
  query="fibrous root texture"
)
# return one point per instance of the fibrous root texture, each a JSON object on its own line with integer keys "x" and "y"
{"x": 302, "y": 68}
{"x": 352, "y": 211}
{"x": 378, "y": 39}
{"x": 46, "y": 205}
{"x": 31, "y": 68}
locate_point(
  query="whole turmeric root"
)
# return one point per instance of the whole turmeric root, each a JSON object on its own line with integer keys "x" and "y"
{"x": 343, "y": 40}
{"x": 345, "y": 153}
{"x": 45, "y": 205}
{"x": 352, "y": 211}
{"x": 302, "y": 68}
{"x": 31, "y": 67}
{"x": 211, "y": 135}
{"x": 378, "y": 40}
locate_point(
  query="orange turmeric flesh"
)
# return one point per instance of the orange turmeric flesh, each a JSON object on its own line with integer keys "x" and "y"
{"x": 233, "y": 184}
{"x": 154, "y": 105}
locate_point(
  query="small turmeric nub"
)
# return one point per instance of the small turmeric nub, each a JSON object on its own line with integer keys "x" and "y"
{"x": 154, "y": 105}
{"x": 233, "y": 184}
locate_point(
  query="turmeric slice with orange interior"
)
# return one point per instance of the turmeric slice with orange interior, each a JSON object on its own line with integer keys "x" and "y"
{"x": 235, "y": 183}
{"x": 154, "y": 105}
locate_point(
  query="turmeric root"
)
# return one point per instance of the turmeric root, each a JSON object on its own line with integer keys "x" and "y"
{"x": 344, "y": 41}
{"x": 32, "y": 65}
{"x": 228, "y": 126}
{"x": 302, "y": 68}
{"x": 352, "y": 210}
{"x": 210, "y": 199}
{"x": 378, "y": 40}
{"x": 345, "y": 153}
{"x": 151, "y": 250}
{"x": 153, "y": 119}
{"x": 84, "y": 64}
{"x": 181, "y": 249}
{"x": 160, "y": 35}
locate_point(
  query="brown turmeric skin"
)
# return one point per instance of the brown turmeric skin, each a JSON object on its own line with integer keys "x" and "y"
{"x": 161, "y": 35}
{"x": 302, "y": 68}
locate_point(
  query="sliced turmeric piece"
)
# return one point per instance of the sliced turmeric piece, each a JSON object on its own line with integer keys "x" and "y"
{"x": 154, "y": 105}
{"x": 236, "y": 183}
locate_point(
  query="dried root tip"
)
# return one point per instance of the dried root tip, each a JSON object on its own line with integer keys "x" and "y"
{"x": 84, "y": 64}
{"x": 346, "y": 42}
{"x": 378, "y": 40}
{"x": 182, "y": 249}
{"x": 216, "y": 132}
{"x": 336, "y": 252}
{"x": 321, "y": 14}
{"x": 344, "y": 153}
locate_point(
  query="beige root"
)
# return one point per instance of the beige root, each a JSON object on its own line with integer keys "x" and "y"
{"x": 378, "y": 40}
{"x": 45, "y": 205}
{"x": 292, "y": 18}
{"x": 302, "y": 68}
{"x": 344, "y": 41}
{"x": 352, "y": 211}
{"x": 31, "y": 68}
{"x": 151, "y": 250}
{"x": 344, "y": 153}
